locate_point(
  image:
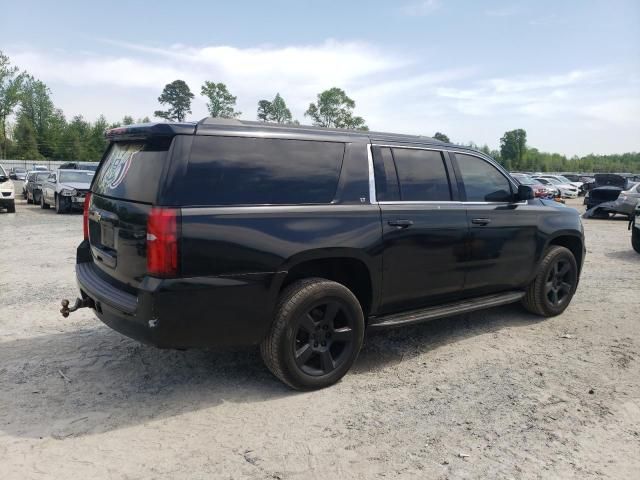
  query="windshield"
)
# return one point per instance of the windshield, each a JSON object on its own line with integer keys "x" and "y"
{"x": 526, "y": 180}
{"x": 20, "y": 170}
{"x": 563, "y": 179}
{"x": 40, "y": 176}
{"x": 75, "y": 177}
{"x": 554, "y": 181}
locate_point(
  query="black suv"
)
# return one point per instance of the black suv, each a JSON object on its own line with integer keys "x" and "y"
{"x": 297, "y": 239}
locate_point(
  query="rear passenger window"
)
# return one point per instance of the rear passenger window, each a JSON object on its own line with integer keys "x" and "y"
{"x": 259, "y": 171}
{"x": 386, "y": 177}
{"x": 482, "y": 181}
{"x": 422, "y": 175}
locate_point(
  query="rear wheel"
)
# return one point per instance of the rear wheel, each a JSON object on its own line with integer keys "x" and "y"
{"x": 316, "y": 335}
{"x": 552, "y": 290}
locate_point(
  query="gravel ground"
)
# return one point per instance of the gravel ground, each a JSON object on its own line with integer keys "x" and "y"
{"x": 495, "y": 394}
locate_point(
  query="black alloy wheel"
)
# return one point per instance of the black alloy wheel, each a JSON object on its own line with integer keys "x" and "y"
{"x": 316, "y": 335}
{"x": 559, "y": 283}
{"x": 325, "y": 337}
{"x": 552, "y": 289}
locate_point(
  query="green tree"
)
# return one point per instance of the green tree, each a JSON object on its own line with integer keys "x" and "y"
{"x": 37, "y": 107}
{"x": 264, "y": 108}
{"x": 10, "y": 89}
{"x": 127, "y": 120}
{"x": 178, "y": 96}
{"x": 144, "y": 119}
{"x": 274, "y": 111}
{"x": 221, "y": 103}
{"x": 513, "y": 146}
{"x": 334, "y": 108}
{"x": 26, "y": 142}
{"x": 442, "y": 137}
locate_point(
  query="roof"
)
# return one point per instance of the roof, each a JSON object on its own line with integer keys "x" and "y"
{"x": 213, "y": 123}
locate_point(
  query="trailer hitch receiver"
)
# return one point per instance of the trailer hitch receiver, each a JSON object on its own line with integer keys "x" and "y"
{"x": 80, "y": 303}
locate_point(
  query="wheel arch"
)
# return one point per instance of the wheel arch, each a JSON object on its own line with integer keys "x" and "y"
{"x": 343, "y": 265}
{"x": 574, "y": 243}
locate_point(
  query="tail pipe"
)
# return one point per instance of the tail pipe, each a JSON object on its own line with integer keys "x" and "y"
{"x": 80, "y": 303}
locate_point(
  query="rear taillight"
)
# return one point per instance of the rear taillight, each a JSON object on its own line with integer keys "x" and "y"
{"x": 85, "y": 215}
{"x": 162, "y": 242}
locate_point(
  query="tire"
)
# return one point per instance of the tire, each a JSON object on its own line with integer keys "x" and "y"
{"x": 43, "y": 204}
{"x": 59, "y": 207}
{"x": 316, "y": 335}
{"x": 635, "y": 239}
{"x": 29, "y": 200}
{"x": 11, "y": 207}
{"x": 540, "y": 297}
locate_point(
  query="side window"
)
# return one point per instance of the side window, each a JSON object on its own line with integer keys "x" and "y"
{"x": 482, "y": 181}
{"x": 386, "y": 176}
{"x": 261, "y": 171}
{"x": 422, "y": 175}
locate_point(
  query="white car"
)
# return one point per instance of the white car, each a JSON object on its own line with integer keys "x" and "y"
{"x": 7, "y": 192}
{"x": 566, "y": 189}
{"x": 564, "y": 180}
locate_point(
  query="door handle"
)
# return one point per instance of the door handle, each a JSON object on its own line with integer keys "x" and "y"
{"x": 400, "y": 223}
{"x": 481, "y": 221}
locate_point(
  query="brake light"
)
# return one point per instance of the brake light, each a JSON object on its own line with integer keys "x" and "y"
{"x": 85, "y": 215}
{"x": 162, "y": 242}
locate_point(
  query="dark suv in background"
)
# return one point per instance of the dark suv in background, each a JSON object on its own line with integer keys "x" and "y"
{"x": 298, "y": 239}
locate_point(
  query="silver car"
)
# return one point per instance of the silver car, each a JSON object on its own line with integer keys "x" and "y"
{"x": 66, "y": 189}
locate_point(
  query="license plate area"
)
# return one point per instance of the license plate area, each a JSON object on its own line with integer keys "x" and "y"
{"x": 107, "y": 237}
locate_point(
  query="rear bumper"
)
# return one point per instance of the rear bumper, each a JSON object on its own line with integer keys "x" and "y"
{"x": 182, "y": 313}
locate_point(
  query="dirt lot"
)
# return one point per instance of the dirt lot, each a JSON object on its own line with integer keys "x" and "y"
{"x": 496, "y": 394}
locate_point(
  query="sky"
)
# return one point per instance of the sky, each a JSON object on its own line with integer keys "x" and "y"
{"x": 568, "y": 71}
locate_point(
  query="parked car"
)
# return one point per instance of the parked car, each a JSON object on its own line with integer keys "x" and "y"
{"x": 79, "y": 166}
{"x": 41, "y": 168}
{"x": 66, "y": 189}
{"x": 230, "y": 232}
{"x": 566, "y": 189}
{"x": 7, "y": 192}
{"x": 634, "y": 226}
{"x": 603, "y": 198}
{"x": 33, "y": 185}
{"x": 565, "y": 181}
{"x": 539, "y": 190}
{"x": 18, "y": 173}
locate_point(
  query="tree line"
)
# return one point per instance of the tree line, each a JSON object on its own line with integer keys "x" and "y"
{"x": 31, "y": 127}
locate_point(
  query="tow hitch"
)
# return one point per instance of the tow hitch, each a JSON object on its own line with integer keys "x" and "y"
{"x": 80, "y": 303}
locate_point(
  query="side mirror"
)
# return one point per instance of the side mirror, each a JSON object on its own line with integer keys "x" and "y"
{"x": 525, "y": 192}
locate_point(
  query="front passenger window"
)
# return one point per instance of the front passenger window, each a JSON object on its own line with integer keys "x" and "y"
{"x": 482, "y": 181}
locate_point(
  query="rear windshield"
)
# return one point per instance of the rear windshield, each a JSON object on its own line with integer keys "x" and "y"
{"x": 75, "y": 177}
{"x": 132, "y": 171}
{"x": 260, "y": 171}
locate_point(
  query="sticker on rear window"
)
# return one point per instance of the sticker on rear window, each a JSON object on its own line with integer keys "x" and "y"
{"x": 118, "y": 165}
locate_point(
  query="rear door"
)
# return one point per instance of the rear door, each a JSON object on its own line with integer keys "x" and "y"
{"x": 126, "y": 186}
{"x": 424, "y": 228}
{"x": 503, "y": 232}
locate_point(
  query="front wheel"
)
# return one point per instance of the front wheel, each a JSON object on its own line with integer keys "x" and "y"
{"x": 60, "y": 207}
{"x": 11, "y": 207}
{"x": 316, "y": 335}
{"x": 552, "y": 290}
{"x": 43, "y": 204}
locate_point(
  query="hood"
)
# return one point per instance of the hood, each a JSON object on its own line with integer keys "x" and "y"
{"x": 76, "y": 185}
{"x": 610, "y": 179}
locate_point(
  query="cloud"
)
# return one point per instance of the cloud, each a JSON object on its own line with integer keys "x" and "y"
{"x": 393, "y": 90}
{"x": 421, "y": 9}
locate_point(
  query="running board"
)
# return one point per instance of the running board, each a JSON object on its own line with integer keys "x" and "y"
{"x": 447, "y": 310}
